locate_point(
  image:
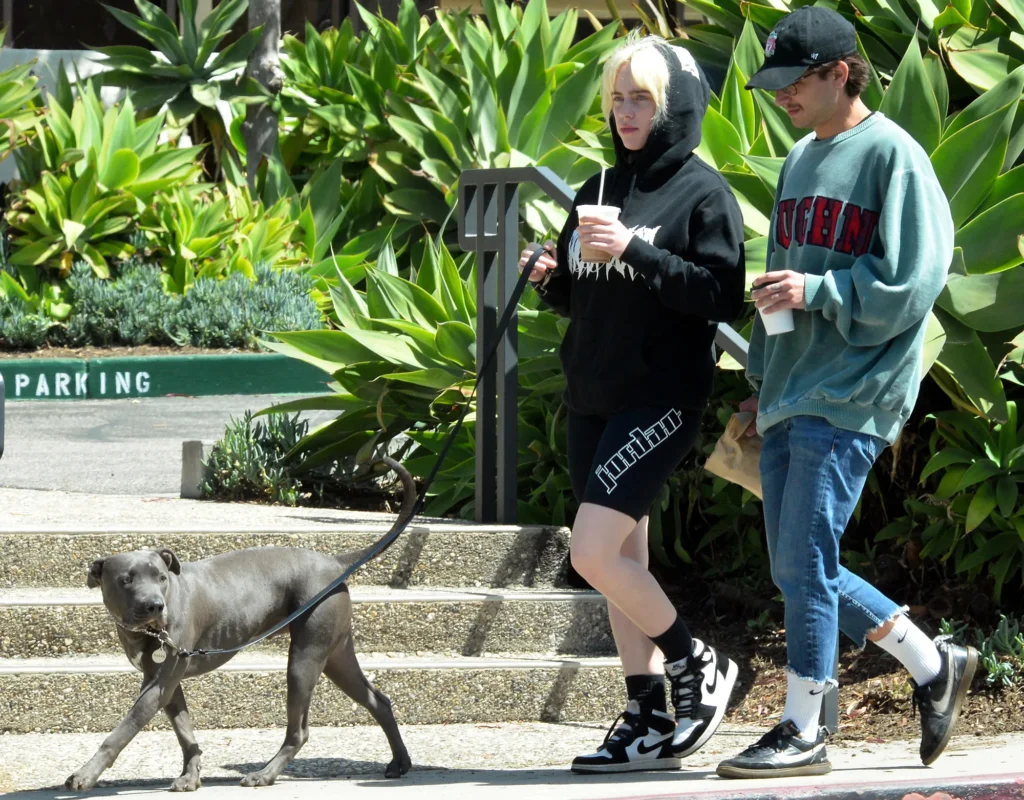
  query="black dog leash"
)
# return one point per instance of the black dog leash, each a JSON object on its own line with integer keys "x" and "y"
{"x": 389, "y": 538}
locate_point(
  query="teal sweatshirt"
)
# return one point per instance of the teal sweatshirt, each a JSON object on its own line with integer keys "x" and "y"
{"x": 862, "y": 215}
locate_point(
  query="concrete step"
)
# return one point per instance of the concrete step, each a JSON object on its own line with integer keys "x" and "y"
{"x": 41, "y": 623}
{"x": 455, "y": 555}
{"x": 92, "y": 694}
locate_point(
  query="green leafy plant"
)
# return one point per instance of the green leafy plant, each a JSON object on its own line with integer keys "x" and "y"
{"x": 247, "y": 463}
{"x": 19, "y": 105}
{"x": 135, "y": 309}
{"x": 1001, "y": 651}
{"x": 85, "y": 179}
{"x": 183, "y": 72}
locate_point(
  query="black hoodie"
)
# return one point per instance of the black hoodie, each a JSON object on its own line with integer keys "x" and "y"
{"x": 642, "y": 327}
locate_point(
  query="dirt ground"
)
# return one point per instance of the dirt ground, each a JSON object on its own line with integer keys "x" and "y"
{"x": 874, "y": 695}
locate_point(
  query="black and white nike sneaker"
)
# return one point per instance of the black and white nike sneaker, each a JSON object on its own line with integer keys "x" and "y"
{"x": 700, "y": 686}
{"x": 642, "y": 742}
{"x": 780, "y": 753}
{"x": 941, "y": 699}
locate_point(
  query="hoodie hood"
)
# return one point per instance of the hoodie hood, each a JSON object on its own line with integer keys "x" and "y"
{"x": 674, "y": 138}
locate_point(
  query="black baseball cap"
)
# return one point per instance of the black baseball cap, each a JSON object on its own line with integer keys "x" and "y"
{"x": 810, "y": 36}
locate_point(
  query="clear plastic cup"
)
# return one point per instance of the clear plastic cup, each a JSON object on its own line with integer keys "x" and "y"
{"x": 589, "y": 214}
{"x": 777, "y": 322}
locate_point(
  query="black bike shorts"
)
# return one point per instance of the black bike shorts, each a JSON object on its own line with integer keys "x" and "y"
{"x": 622, "y": 462}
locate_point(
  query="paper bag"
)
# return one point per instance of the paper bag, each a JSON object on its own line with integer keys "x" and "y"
{"x": 737, "y": 456}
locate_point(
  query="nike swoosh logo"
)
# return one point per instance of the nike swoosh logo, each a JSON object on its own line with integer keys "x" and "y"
{"x": 816, "y": 693}
{"x": 900, "y": 641}
{"x": 641, "y": 749}
{"x": 943, "y": 701}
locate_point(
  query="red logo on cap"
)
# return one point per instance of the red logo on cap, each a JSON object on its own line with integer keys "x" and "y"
{"x": 769, "y": 47}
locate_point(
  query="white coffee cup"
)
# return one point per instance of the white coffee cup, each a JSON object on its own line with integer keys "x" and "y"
{"x": 588, "y": 213}
{"x": 777, "y": 322}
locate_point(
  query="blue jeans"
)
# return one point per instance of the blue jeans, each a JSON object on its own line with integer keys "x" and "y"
{"x": 812, "y": 474}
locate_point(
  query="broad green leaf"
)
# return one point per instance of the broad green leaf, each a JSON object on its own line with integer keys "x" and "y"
{"x": 1006, "y": 495}
{"x": 206, "y": 94}
{"x": 989, "y": 241}
{"x": 967, "y": 361}
{"x": 456, "y": 342}
{"x": 943, "y": 459}
{"x": 329, "y": 402}
{"x": 977, "y": 472}
{"x": 1008, "y": 90}
{"x": 122, "y": 169}
{"x": 968, "y": 162}
{"x": 738, "y": 106}
{"x": 982, "y": 504}
{"x": 409, "y": 300}
{"x": 910, "y": 100}
{"x": 720, "y": 140}
{"x": 986, "y": 302}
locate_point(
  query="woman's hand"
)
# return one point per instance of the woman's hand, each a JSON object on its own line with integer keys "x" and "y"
{"x": 611, "y": 236}
{"x": 545, "y": 263}
{"x": 775, "y": 291}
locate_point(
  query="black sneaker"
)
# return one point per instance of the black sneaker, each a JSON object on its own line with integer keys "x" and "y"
{"x": 701, "y": 686}
{"x": 780, "y": 753}
{"x": 941, "y": 699}
{"x": 643, "y": 741}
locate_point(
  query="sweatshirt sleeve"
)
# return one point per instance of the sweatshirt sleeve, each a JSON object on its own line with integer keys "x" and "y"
{"x": 556, "y": 294}
{"x": 711, "y": 285}
{"x": 880, "y": 297}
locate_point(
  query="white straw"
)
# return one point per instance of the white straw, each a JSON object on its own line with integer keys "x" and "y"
{"x": 600, "y": 189}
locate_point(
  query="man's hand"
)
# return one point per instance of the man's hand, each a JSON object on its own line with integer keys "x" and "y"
{"x": 611, "y": 236}
{"x": 750, "y": 404}
{"x": 544, "y": 264}
{"x": 775, "y": 291}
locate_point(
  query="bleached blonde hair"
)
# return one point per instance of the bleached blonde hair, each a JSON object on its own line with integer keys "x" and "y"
{"x": 649, "y": 69}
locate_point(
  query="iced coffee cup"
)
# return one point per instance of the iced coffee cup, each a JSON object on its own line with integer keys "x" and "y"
{"x": 589, "y": 215}
{"x": 777, "y": 322}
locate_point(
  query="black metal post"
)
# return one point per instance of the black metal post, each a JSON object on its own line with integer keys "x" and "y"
{"x": 486, "y": 401}
{"x": 508, "y": 354}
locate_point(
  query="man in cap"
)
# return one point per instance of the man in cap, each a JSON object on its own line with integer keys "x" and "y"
{"x": 860, "y": 243}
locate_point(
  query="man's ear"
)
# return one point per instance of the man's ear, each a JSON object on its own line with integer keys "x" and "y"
{"x": 170, "y": 560}
{"x": 95, "y": 573}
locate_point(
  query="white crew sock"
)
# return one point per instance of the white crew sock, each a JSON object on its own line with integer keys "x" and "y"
{"x": 803, "y": 705}
{"x": 913, "y": 649}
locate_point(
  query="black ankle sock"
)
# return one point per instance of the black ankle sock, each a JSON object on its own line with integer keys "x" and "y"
{"x": 648, "y": 691}
{"x": 676, "y": 643}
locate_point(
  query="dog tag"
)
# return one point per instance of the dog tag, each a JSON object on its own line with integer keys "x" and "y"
{"x": 158, "y": 655}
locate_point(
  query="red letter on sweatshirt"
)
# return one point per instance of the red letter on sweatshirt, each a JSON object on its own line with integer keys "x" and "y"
{"x": 825, "y": 221}
{"x": 784, "y": 223}
{"x": 800, "y": 229}
{"x": 858, "y": 228}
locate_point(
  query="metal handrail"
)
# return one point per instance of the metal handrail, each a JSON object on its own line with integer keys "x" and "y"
{"x": 489, "y": 225}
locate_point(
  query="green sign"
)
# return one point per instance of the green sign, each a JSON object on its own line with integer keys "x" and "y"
{"x": 158, "y": 376}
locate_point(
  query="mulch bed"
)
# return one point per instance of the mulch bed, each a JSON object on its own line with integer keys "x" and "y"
{"x": 116, "y": 352}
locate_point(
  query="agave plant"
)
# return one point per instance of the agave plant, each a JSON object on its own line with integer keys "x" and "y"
{"x": 403, "y": 359}
{"x": 183, "y": 72}
{"x": 19, "y": 105}
{"x": 85, "y": 178}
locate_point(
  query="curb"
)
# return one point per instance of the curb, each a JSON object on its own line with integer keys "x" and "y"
{"x": 158, "y": 376}
{"x": 981, "y": 787}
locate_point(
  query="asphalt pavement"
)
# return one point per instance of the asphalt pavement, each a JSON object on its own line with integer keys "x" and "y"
{"x": 115, "y": 447}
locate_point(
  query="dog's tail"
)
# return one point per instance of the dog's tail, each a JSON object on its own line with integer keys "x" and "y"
{"x": 405, "y": 513}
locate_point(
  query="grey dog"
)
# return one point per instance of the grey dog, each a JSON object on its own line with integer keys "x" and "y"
{"x": 222, "y": 602}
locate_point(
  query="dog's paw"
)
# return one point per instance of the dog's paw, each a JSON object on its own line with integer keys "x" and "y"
{"x": 187, "y": 783}
{"x": 258, "y": 779}
{"x": 80, "y": 782}
{"x": 398, "y": 768}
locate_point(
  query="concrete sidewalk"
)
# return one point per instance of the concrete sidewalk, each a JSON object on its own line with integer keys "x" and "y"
{"x": 116, "y": 446}
{"x": 506, "y": 761}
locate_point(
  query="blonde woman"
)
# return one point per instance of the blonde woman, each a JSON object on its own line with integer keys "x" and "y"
{"x": 639, "y": 360}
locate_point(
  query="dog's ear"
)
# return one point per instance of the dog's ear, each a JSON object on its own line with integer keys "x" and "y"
{"x": 170, "y": 560}
{"x": 95, "y": 573}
